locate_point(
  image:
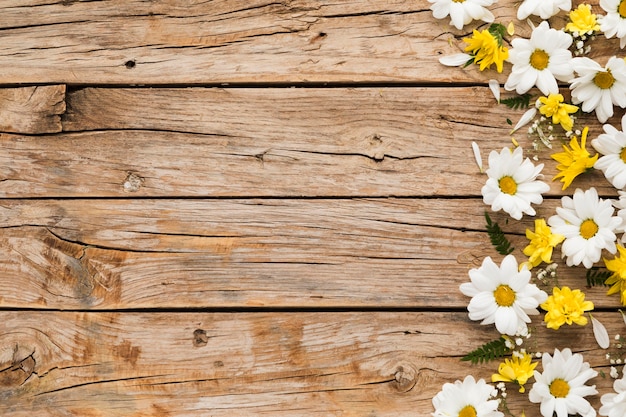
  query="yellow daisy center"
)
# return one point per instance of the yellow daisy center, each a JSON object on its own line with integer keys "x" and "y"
{"x": 467, "y": 411}
{"x": 559, "y": 388}
{"x": 622, "y": 155}
{"x": 539, "y": 59}
{"x": 458, "y": 1}
{"x": 604, "y": 80}
{"x": 504, "y": 295}
{"x": 508, "y": 185}
{"x": 588, "y": 229}
{"x": 621, "y": 9}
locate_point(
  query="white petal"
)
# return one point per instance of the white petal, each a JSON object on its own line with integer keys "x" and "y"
{"x": 494, "y": 85}
{"x": 455, "y": 60}
{"x": 599, "y": 331}
{"x": 479, "y": 159}
{"x": 526, "y": 117}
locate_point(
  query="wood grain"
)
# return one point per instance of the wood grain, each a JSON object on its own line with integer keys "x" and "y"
{"x": 375, "y": 253}
{"x": 266, "y": 142}
{"x": 32, "y": 110}
{"x": 279, "y": 364}
{"x": 235, "y": 41}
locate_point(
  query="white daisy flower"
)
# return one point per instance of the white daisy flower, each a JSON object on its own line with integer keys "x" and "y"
{"x": 599, "y": 88}
{"x": 588, "y": 224}
{"x": 614, "y": 22}
{"x": 512, "y": 184}
{"x": 612, "y": 144}
{"x": 540, "y": 60}
{"x": 502, "y": 295}
{"x": 614, "y": 404}
{"x": 542, "y": 8}
{"x": 462, "y": 12}
{"x": 561, "y": 387}
{"x": 469, "y": 398}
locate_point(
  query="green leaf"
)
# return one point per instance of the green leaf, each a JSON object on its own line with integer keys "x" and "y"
{"x": 596, "y": 277}
{"x": 498, "y": 31}
{"x": 509, "y": 122}
{"x": 497, "y": 237}
{"x": 489, "y": 351}
{"x": 517, "y": 102}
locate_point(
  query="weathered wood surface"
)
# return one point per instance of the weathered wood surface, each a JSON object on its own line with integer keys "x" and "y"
{"x": 265, "y": 142}
{"x": 235, "y": 41}
{"x": 32, "y": 110}
{"x": 235, "y": 251}
{"x": 248, "y": 364}
{"x": 120, "y": 254}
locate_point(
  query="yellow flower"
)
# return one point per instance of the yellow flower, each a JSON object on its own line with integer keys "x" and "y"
{"x": 618, "y": 279}
{"x": 582, "y": 20}
{"x": 486, "y": 50}
{"x": 566, "y": 306}
{"x": 516, "y": 369}
{"x": 553, "y": 106}
{"x": 574, "y": 161}
{"x": 542, "y": 241}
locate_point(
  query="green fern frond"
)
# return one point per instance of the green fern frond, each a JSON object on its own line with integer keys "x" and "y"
{"x": 497, "y": 30}
{"x": 596, "y": 277}
{"x": 517, "y": 102}
{"x": 489, "y": 351}
{"x": 497, "y": 237}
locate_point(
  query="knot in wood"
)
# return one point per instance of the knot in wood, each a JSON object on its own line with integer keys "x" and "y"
{"x": 405, "y": 378}
{"x": 132, "y": 183}
{"x": 200, "y": 338}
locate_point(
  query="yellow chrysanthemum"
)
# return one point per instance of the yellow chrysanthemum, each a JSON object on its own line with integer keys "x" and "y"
{"x": 542, "y": 242}
{"x": 618, "y": 280}
{"x": 516, "y": 369}
{"x": 565, "y": 306}
{"x": 553, "y": 106}
{"x": 574, "y": 161}
{"x": 486, "y": 50}
{"x": 582, "y": 20}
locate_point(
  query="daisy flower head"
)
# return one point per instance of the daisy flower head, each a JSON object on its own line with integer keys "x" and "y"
{"x": 599, "y": 88}
{"x": 582, "y": 20}
{"x": 542, "y": 242}
{"x": 554, "y": 107}
{"x": 588, "y": 224}
{"x": 540, "y": 60}
{"x": 542, "y": 8}
{"x": 617, "y": 280}
{"x": 485, "y": 47}
{"x": 612, "y": 145}
{"x": 502, "y": 295}
{"x": 566, "y": 306}
{"x": 469, "y": 398}
{"x": 614, "y": 404}
{"x": 561, "y": 387}
{"x": 574, "y": 160}
{"x": 512, "y": 184}
{"x": 462, "y": 12}
{"x": 614, "y": 22}
{"x": 517, "y": 369}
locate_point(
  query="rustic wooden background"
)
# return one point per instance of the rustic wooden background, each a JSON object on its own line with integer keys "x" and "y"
{"x": 218, "y": 208}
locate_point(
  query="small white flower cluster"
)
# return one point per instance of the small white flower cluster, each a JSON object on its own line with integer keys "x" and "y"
{"x": 581, "y": 47}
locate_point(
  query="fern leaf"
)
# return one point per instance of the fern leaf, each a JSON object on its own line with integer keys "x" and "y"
{"x": 489, "y": 351}
{"x": 517, "y": 102}
{"x": 597, "y": 277}
{"x": 497, "y": 30}
{"x": 497, "y": 237}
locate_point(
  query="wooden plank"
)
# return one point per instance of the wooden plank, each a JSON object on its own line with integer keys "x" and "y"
{"x": 279, "y": 364}
{"x": 235, "y": 41}
{"x": 32, "y": 110}
{"x": 264, "y": 142}
{"x": 121, "y": 254}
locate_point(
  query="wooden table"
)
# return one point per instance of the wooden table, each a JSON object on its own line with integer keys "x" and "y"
{"x": 248, "y": 208}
